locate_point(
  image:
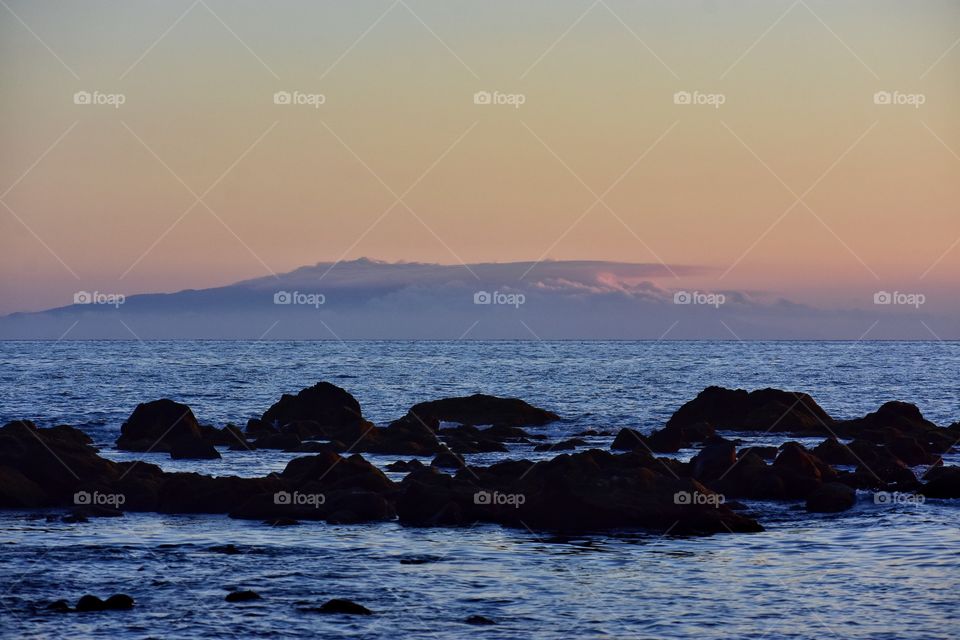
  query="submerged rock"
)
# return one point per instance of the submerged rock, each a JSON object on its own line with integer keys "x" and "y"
{"x": 242, "y": 596}
{"x": 343, "y": 606}
{"x": 116, "y": 602}
{"x": 479, "y": 620}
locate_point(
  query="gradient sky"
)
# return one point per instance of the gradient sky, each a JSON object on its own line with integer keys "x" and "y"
{"x": 101, "y": 211}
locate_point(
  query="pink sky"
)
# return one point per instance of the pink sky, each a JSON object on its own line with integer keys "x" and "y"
{"x": 798, "y": 184}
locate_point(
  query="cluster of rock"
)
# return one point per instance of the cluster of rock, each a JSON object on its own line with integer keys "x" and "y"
{"x": 588, "y": 490}
{"x": 882, "y": 448}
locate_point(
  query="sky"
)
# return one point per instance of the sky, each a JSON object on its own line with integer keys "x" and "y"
{"x": 787, "y": 176}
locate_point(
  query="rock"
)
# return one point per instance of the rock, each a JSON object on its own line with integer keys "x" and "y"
{"x": 90, "y": 603}
{"x": 833, "y": 451}
{"x": 348, "y": 607}
{"x": 563, "y": 445}
{"x": 831, "y": 497}
{"x": 942, "y": 482}
{"x": 448, "y": 460}
{"x": 662, "y": 441}
{"x": 479, "y": 620}
{"x": 902, "y": 426}
{"x": 116, "y": 602}
{"x": 333, "y": 412}
{"x": 281, "y": 441}
{"x": 59, "y": 606}
{"x": 405, "y": 466}
{"x": 767, "y": 453}
{"x": 800, "y": 472}
{"x": 910, "y": 451}
{"x": 762, "y": 410}
{"x": 34, "y": 465}
{"x": 242, "y": 596}
{"x": 586, "y": 491}
{"x": 194, "y": 450}
{"x": 157, "y": 426}
{"x": 119, "y": 602}
{"x": 483, "y": 409}
{"x": 469, "y": 439}
{"x": 716, "y": 458}
{"x": 627, "y": 440}
{"x": 229, "y": 549}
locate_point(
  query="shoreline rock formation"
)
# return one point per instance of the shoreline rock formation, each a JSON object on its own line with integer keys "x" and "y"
{"x": 590, "y": 490}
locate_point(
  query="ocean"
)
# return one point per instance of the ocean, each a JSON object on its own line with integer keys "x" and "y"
{"x": 876, "y": 571}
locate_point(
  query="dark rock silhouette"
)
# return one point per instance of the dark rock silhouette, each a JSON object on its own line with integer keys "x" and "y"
{"x": 194, "y": 450}
{"x": 592, "y": 490}
{"x": 770, "y": 410}
{"x": 158, "y": 426}
{"x": 942, "y": 482}
{"x": 831, "y": 497}
{"x": 343, "y": 606}
{"x": 242, "y": 596}
{"x": 116, "y": 602}
{"x": 483, "y": 409}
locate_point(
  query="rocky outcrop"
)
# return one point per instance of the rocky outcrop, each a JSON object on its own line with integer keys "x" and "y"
{"x": 322, "y": 411}
{"x": 480, "y": 409}
{"x": 769, "y": 410}
{"x": 592, "y": 490}
{"x": 942, "y": 482}
{"x": 159, "y": 426}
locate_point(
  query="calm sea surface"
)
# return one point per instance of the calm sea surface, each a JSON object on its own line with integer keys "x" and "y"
{"x": 888, "y": 571}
